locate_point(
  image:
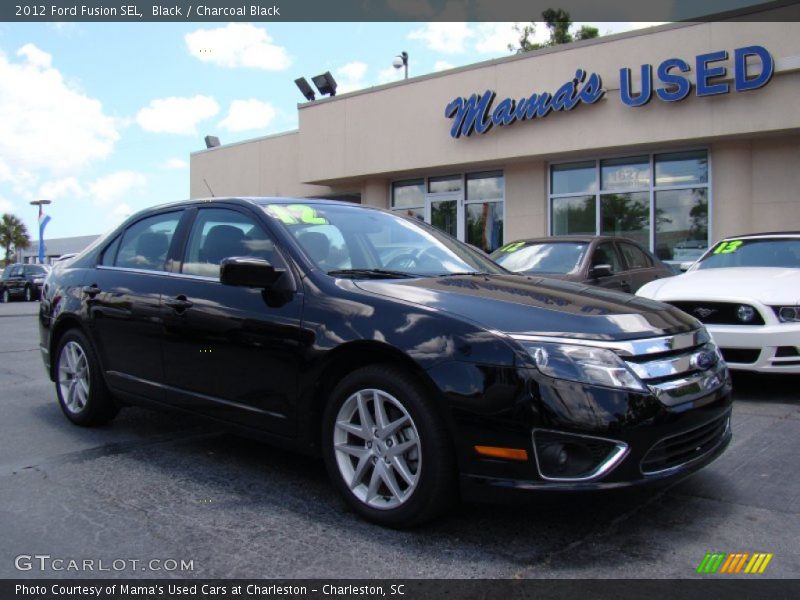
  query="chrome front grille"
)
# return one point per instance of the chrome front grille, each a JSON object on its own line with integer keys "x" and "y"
{"x": 684, "y": 373}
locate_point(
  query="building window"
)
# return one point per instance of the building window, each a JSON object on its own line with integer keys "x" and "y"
{"x": 659, "y": 200}
{"x": 469, "y": 207}
{"x": 484, "y": 210}
{"x": 409, "y": 197}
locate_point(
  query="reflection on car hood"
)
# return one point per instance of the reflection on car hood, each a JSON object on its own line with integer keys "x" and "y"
{"x": 505, "y": 303}
{"x": 769, "y": 285}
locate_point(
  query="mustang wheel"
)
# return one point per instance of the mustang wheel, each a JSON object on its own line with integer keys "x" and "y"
{"x": 81, "y": 390}
{"x": 386, "y": 448}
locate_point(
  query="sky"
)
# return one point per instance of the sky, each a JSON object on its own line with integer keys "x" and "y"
{"x": 101, "y": 118}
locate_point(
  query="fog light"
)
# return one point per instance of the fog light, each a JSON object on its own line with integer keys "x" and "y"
{"x": 745, "y": 313}
{"x": 574, "y": 457}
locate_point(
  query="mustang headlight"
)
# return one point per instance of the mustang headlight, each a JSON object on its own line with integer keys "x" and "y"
{"x": 789, "y": 314}
{"x": 584, "y": 364}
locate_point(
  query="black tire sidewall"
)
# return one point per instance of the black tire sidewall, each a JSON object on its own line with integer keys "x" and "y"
{"x": 99, "y": 405}
{"x": 435, "y": 488}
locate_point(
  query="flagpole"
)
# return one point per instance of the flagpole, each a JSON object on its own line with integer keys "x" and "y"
{"x": 42, "y": 224}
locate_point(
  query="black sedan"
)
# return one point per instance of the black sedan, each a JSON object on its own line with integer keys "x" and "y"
{"x": 610, "y": 262}
{"x": 22, "y": 281}
{"x": 409, "y": 374}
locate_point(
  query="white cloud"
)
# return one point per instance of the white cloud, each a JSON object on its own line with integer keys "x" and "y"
{"x": 494, "y": 38}
{"x": 5, "y": 206}
{"x": 449, "y": 38}
{"x": 174, "y": 164}
{"x": 350, "y": 77}
{"x": 113, "y": 188}
{"x": 237, "y": 45}
{"x": 67, "y": 187}
{"x": 121, "y": 211}
{"x": 47, "y": 124}
{"x": 244, "y": 115}
{"x": 442, "y": 65}
{"x": 36, "y": 56}
{"x": 176, "y": 115}
{"x": 390, "y": 74}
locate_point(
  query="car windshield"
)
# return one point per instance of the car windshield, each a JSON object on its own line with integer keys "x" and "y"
{"x": 348, "y": 240}
{"x": 771, "y": 252}
{"x": 541, "y": 257}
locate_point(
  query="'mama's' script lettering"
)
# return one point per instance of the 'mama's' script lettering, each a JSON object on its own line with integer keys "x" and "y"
{"x": 476, "y": 115}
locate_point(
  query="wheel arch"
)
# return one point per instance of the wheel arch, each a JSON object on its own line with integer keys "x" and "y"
{"x": 62, "y": 326}
{"x": 348, "y": 357}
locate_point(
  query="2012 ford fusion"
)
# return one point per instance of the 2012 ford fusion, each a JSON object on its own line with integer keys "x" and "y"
{"x": 416, "y": 367}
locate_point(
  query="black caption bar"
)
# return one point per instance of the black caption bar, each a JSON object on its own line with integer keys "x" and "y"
{"x": 382, "y": 10}
{"x": 400, "y": 589}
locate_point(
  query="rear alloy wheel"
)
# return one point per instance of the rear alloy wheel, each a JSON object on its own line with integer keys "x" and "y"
{"x": 28, "y": 294}
{"x": 5, "y": 296}
{"x": 386, "y": 449}
{"x": 82, "y": 393}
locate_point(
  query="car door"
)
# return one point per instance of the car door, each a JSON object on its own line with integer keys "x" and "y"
{"x": 605, "y": 253}
{"x": 122, "y": 298}
{"x": 16, "y": 281}
{"x": 232, "y": 353}
{"x": 639, "y": 265}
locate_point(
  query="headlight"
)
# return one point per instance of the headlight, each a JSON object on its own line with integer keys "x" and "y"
{"x": 38, "y": 280}
{"x": 584, "y": 364}
{"x": 789, "y": 314}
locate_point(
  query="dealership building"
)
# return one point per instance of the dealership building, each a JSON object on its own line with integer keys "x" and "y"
{"x": 674, "y": 136}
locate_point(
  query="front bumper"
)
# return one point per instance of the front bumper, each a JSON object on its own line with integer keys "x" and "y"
{"x": 763, "y": 342}
{"x": 516, "y": 404}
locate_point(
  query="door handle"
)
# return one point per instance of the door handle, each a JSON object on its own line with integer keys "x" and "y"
{"x": 91, "y": 290}
{"x": 179, "y": 304}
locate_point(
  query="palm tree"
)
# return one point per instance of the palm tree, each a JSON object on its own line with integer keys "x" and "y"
{"x": 13, "y": 233}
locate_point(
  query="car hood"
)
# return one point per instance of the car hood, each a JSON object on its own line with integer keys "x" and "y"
{"x": 537, "y": 306}
{"x": 768, "y": 285}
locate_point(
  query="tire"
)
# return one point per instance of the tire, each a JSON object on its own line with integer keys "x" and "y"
{"x": 395, "y": 489}
{"x": 28, "y": 294}
{"x": 87, "y": 401}
{"x": 5, "y": 297}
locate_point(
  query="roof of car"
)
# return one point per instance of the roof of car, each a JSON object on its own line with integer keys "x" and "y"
{"x": 765, "y": 234}
{"x": 573, "y": 238}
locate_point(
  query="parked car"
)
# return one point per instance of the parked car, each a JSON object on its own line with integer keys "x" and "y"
{"x": 610, "y": 262}
{"x": 746, "y": 289}
{"x": 409, "y": 376}
{"x": 22, "y": 281}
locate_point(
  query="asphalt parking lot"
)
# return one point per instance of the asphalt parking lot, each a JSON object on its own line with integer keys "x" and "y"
{"x": 154, "y": 486}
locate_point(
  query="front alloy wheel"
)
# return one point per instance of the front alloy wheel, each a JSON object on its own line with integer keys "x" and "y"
{"x": 73, "y": 377}
{"x": 386, "y": 447}
{"x": 28, "y": 294}
{"x": 6, "y": 297}
{"x": 377, "y": 448}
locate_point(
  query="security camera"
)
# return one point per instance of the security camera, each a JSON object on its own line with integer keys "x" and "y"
{"x": 397, "y": 63}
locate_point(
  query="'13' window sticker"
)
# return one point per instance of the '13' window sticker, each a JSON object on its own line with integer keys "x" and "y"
{"x": 728, "y": 247}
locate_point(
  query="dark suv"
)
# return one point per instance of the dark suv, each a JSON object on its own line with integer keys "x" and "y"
{"x": 409, "y": 374}
{"x": 22, "y": 281}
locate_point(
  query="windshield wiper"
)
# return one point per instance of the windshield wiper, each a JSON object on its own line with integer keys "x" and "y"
{"x": 371, "y": 273}
{"x": 473, "y": 273}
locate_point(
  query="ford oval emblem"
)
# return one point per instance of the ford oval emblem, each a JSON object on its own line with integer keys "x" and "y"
{"x": 703, "y": 360}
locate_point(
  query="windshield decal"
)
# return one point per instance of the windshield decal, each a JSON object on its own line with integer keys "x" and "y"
{"x": 728, "y": 247}
{"x": 512, "y": 247}
{"x": 294, "y": 214}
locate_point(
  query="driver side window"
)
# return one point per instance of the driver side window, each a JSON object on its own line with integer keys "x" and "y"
{"x": 219, "y": 233}
{"x": 605, "y": 254}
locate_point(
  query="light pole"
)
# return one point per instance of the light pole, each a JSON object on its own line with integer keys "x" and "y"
{"x": 43, "y": 221}
{"x": 401, "y": 61}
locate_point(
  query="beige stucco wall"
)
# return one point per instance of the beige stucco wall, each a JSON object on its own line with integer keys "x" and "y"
{"x": 362, "y": 141}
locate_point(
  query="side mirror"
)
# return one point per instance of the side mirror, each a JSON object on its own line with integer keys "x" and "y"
{"x": 250, "y": 272}
{"x": 599, "y": 271}
{"x": 685, "y": 266}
